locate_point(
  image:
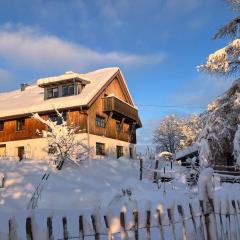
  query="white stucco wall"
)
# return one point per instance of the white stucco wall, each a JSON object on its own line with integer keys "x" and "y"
{"x": 37, "y": 148}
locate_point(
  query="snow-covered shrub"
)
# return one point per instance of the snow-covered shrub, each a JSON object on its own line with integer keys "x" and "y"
{"x": 62, "y": 142}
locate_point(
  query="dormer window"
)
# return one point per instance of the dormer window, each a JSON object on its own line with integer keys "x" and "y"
{"x": 68, "y": 90}
{"x": 68, "y": 84}
{"x": 52, "y": 92}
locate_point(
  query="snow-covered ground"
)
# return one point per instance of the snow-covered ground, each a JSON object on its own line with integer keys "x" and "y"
{"x": 94, "y": 183}
{"x": 95, "y": 186}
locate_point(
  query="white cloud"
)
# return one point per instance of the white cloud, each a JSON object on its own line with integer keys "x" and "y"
{"x": 28, "y": 47}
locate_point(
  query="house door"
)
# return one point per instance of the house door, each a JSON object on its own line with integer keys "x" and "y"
{"x": 20, "y": 153}
{"x": 119, "y": 151}
{"x": 2, "y": 150}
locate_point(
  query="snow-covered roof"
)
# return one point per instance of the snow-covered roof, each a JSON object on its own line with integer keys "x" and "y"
{"x": 66, "y": 76}
{"x": 187, "y": 151}
{"x": 32, "y": 99}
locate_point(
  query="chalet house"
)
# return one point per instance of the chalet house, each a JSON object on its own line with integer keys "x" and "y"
{"x": 98, "y": 102}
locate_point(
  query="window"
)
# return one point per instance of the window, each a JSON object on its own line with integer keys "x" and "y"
{"x": 52, "y": 92}
{"x": 1, "y": 126}
{"x": 118, "y": 127}
{"x": 100, "y": 148}
{"x": 68, "y": 90}
{"x": 119, "y": 151}
{"x": 100, "y": 121}
{"x": 20, "y": 124}
{"x": 55, "y": 118}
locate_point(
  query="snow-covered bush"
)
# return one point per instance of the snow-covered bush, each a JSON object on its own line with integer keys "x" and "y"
{"x": 62, "y": 142}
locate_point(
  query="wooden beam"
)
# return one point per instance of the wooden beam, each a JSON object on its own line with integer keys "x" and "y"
{"x": 121, "y": 124}
{"x": 106, "y": 125}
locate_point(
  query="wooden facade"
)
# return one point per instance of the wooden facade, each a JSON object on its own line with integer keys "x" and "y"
{"x": 85, "y": 118}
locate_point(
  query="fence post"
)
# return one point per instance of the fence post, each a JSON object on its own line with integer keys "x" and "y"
{"x": 65, "y": 231}
{"x": 193, "y": 219}
{"x": 110, "y": 237}
{"x": 141, "y": 169}
{"x": 94, "y": 223}
{"x": 11, "y": 229}
{"x": 236, "y": 219}
{"x": 221, "y": 221}
{"x": 171, "y": 221}
{"x": 148, "y": 225}
{"x": 29, "y": 234}
{"x": 49, "y": 227}
{"x": 160, "y": 224}
{"x": 81, "y": 228}
{"x": 184, "y": 228}
{"x": 135, "y": 219}
{"x": 155, "y": 173}
{"x": 123, "y": 225}
{"x": 228, "y": 221}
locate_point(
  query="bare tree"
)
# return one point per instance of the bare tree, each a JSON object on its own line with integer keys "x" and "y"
{"x": 62, "y": 142}
{"x": 175, "y": 133}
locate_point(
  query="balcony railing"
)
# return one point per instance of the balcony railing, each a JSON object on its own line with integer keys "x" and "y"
{"x": 115, "y": 105}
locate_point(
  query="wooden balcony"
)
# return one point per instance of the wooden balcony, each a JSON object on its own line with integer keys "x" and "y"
{"x": 121, "y": 109}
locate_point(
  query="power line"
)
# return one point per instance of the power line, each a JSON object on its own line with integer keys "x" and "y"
{"x": 168, "y": 106}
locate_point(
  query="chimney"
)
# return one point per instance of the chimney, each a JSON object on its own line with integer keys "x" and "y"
{"x": 24, "y": 86}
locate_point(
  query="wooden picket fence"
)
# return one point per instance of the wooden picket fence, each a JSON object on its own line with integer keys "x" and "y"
{"x": 180, "y": 222}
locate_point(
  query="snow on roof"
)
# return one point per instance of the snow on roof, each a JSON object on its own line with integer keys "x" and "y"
{"x": 66, "y": 76}
{"x": 32, "y": 99}
{"x": 187, "y": 151}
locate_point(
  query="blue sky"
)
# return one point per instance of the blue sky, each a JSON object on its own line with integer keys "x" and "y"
{"x": 157, "y": 44}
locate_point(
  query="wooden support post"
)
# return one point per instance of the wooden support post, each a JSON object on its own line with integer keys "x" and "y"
{"x": 94, "y": 224}
{"x": 193, "y": 219}
{"x": 237, "y": 227}
{"x": 29, "y": 233}
{"x": 171, "y": 222}
{"x": 159, "y": 216}
{"x": 228, "y": 221}
{"x": 49, "y": 227}
{"x": 135, "y": 219}
{"x": 141, "y": 169}
{"x": 123, "y": 232}
{"x": 221, "y": 221}
{"x": 81, "y": 228}
{"x": 184, "y": 226}
{"x": 121, "y": 124}
{"x": 107, "y": 122}
{"x": 110, "y": 237}
{"x": 148, "y": 225}
{"x": 12, "y": 230}
{"x": 155, "y": 173}
{"x": 65, "y": 231}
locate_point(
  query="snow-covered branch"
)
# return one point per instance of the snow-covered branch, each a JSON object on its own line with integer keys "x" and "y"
{"x": 62, "y": 142}
{"x": 223, "y": 61}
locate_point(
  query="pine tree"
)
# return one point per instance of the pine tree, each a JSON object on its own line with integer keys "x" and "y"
{"x": 226, "y": 61}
